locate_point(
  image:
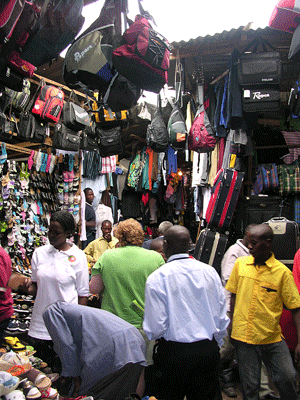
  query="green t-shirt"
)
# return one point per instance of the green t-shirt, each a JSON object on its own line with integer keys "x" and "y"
{"x": 124, "y": 272}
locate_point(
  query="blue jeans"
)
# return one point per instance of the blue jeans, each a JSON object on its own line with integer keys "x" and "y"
{"x": 277, "y": 359}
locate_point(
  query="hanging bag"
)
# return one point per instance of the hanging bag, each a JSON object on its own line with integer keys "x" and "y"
{"x": 65, "y": 138}
{"x": 259, "y": 68}
{"x": 29, "y": 127}
{"x": 74, "y": 116}
{"x": 177, "y": 129}
{"x": 157, "y": 134}
{"x": 144, "y": 58}
{"x": 201, "y": 137}
{"x": 110, "y": 141}
{"x": 49, "y": 103}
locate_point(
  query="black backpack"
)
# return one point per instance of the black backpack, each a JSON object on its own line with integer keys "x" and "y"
{"x": 157, "y": 134}
{"x": 57, "y": 28}
{"x": 121, "y": 94}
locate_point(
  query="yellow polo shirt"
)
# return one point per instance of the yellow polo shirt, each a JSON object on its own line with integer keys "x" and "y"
{"x": 260, "y": 295}
{"x": 97, "y": 247}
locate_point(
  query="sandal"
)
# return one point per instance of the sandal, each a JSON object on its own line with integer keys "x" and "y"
{"x": 30, "y": 391}
{"x": 49, "y": 393}
{"x": 41, "y": 381}
{"x": 15, "y": 343}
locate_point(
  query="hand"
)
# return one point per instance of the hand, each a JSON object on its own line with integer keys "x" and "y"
{"x": 107, "y": 237}
{"x": 26, "y": 284}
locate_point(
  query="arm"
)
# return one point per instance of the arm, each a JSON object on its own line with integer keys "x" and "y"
{"x": 90, "y": 223}
{"x": 96, "y": 284}
{"x": 82, "y": 300}
{"x": 88, "y": 251}
{"x": 232, "y": 305}
{"x": 296, "y": 317}
{"x": 29, "y": 287}
{"x": 155, "y": 317}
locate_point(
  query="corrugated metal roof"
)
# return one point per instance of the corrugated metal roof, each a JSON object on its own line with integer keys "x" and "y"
{"x": 225, "y": 35}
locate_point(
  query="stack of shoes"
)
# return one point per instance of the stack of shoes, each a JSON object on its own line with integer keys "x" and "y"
{"x": 21, "y": 318}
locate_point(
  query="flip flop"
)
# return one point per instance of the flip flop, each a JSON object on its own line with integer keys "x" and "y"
{"x": 30, "y": 391}
{"x": 30, "y": 160}
{"x": 3, "y": 156}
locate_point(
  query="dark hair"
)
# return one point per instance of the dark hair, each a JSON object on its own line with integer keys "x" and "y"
{"x": 106, "y": 221}
{"x": 65, "y": 219}
{"x": 105, "y": 198}
{"x": 87, "y": 190}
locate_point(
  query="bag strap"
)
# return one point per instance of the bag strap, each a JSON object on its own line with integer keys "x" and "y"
{"x": 178, "y": 81}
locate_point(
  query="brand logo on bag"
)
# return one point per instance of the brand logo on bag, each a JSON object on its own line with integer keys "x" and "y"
{"x": 267, "y": 79}
{"x": 259, "y": 95}
{"x": 78, "y": 55}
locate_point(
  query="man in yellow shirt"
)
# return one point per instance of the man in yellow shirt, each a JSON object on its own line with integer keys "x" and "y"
{"x": 98, "y": 246}
{"x": 260, "y": 285}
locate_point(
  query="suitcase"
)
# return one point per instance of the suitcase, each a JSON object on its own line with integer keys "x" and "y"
{"x": 210, "y": 248}
{"x": 225, "y": 194}
{"x": 261, "y": 98}
{"x": 258, "y": 209}
{"x": 286, "y": 239}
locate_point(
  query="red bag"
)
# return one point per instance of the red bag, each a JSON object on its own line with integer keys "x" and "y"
{"x": 201, "y": 136}
{"x": 144, "y": 59}
{"x": 23, "y": 67}
{"x": 286, "y": 15}
{"x": 49, "y": 103}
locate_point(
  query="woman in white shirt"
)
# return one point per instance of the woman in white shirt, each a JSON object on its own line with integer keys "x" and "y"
{"x": 59, "y": 272}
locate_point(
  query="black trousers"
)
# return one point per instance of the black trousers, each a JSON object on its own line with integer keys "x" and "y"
{"x": 186, "y": 369}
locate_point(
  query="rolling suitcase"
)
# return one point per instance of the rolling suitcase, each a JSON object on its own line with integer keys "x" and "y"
{"x": 225, "y": 194}
{"x": 210, "y": 248}
{"x": 286, "y": 240}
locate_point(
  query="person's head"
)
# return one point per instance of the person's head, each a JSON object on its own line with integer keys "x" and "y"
{"x": 130, "y": 233}
{"x": 260, "y": 242}
{"x": 157, "y": 244}
{"x": 163, "y": 227}
{"x": 245, "y": 239}
{"x": 105, "y": 198}
{"x": 89, "y": 195}
{"x": 176, "y": 240}
{"x": 106, "y": 227}
{"x": 62, "y": 227}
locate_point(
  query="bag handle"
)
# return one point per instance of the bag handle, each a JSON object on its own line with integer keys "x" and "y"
{"x": 255, "y": 43}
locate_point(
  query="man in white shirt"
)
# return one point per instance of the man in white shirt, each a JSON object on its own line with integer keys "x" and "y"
{"x": 185, "y": 309}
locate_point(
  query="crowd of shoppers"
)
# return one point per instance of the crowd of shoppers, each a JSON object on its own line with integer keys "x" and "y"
{"x": 160, "y": 309}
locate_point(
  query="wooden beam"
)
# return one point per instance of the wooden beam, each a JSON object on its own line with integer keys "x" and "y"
{"x": 50, "y": 82}
{"x": 19, "y": 149}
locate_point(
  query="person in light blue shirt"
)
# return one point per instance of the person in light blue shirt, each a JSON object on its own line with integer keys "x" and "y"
{"x": 185, "y": 310}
